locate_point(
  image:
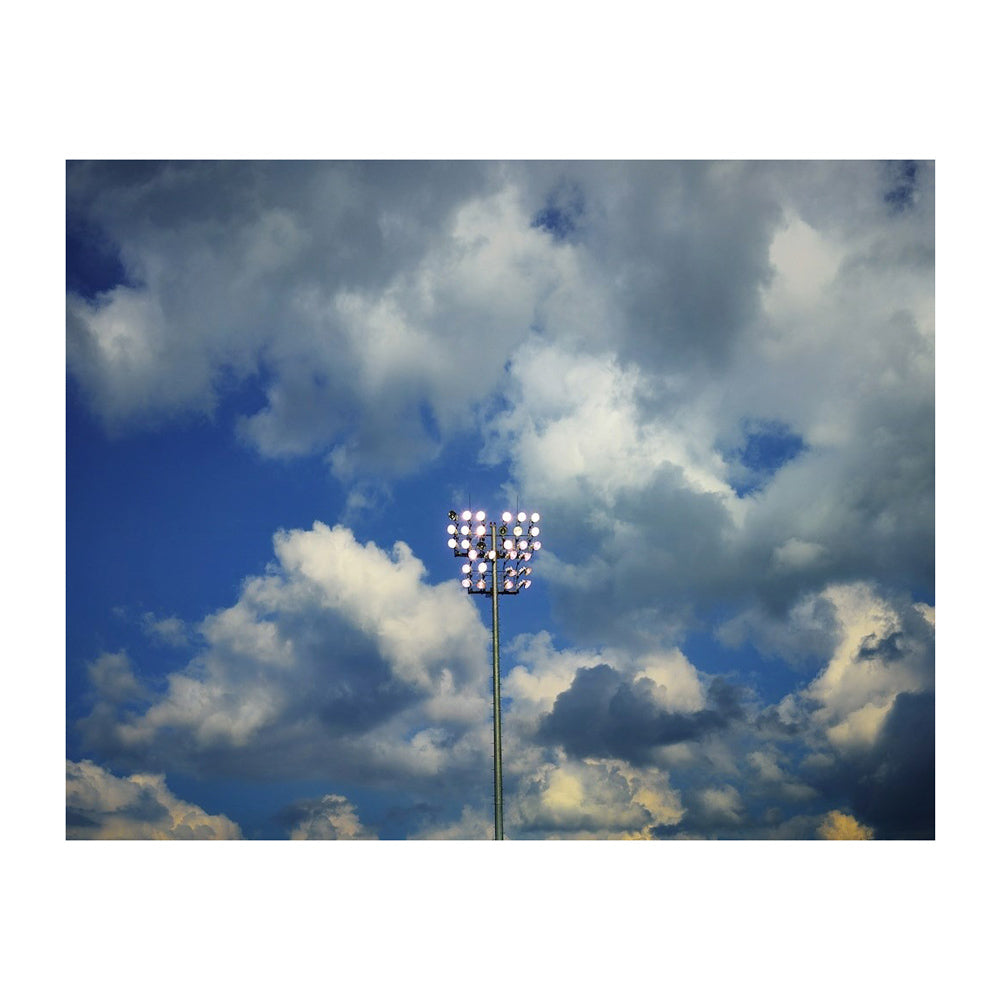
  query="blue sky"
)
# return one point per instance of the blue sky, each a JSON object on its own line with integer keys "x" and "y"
{"x": 715, "y": 382}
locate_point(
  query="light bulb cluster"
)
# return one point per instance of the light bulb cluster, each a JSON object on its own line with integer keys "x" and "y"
{"x": 517, "y": 539}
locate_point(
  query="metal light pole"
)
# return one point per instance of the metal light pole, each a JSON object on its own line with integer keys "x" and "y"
{"x": 500, "y": 570}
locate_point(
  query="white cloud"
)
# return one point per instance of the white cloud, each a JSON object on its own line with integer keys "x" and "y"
{"x": 171, "y": 631}
{"x": 101, "y": 806}
{"x": 471, "y": 825}
{"x": 113, "y": 677}
{"x": 342, "y": 659}
{"x": 805, "y": 264}
{"x": 333, "y": 817}
{"x": 576, "y": 421}
{"x": 425, "y": 633}
{"x": 721, "y": 805}
{"x": 796, "y": 554}
{"x": 678, "y": 687}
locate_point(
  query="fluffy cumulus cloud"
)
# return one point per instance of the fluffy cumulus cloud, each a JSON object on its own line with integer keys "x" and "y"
{"x": 101, "y": 806}
{"x": 716, "y": 380}
{"x": 342, "y": 661}
{"x": 331, "y": 817}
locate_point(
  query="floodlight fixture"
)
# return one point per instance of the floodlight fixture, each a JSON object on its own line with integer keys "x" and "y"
{"x": 492, "y": 565}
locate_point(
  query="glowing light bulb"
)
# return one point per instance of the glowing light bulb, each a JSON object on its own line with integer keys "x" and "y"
{"x": 534, "y": 531}
{"x": 467, "y": 568}
{"x": 466, "y": 515}
{"x": 466, "y": 582}
{"x": 506, "y": 517}
{"x": 536, "y": 545}
{"x": 534, "y": 518}
{"x": 452, "y": 543}
{"x": 522, "y": 517}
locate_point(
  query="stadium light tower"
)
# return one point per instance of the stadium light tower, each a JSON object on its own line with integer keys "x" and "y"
{"x": 495, "y": 564}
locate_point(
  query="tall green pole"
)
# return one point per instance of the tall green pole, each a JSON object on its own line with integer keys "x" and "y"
{"x": 497, "y": 766}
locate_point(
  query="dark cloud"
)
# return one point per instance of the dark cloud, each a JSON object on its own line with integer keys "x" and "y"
{"x": 606, "y": 714}
{"x": 891, "y": 785}
{"x": 672, "y": 560}
{"x": 688, "y": 245}
{"x": 889, "y": 647}
{"x": 901, "y": 184}
{"x": 895, "y": 791}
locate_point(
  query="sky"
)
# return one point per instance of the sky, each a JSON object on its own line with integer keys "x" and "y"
{"x": 714, "y": 381}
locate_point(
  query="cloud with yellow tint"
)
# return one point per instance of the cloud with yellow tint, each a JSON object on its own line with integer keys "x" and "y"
{"x": 594, "y": 799}
{"x": 883, "y": 650}
{"x": 101, "y": 806}
{"x": 840, "y": 826}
